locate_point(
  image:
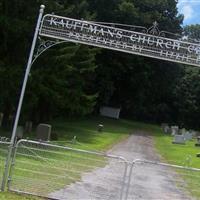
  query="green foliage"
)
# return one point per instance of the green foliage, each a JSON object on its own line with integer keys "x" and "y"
{"x": 12, "y": 196}
{"x": 62, "y": 84}
{"x": 192, "y": 31}
{"x": 182, "y": 155}
{"x": 187, "y": 98}
{"x": 72, "y": 80}
{"x": 60, "y": 81}
{"x": 141, "y": 87}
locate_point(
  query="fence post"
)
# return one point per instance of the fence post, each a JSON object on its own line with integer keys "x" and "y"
{"x": 124, "y": 180}
{"x": 129, "y": 180}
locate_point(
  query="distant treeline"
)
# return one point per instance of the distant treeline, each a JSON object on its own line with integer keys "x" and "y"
{"x": 72, "y": 80}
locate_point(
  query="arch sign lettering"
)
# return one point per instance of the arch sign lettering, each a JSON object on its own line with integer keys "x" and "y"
{"x": 150, "y": 44}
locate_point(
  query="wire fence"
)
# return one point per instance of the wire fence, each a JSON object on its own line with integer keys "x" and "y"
{"x": 58, "y": 172}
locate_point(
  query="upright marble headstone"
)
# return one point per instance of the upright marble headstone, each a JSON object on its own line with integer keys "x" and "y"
{"x": 43, "y": 132}
{"x": 19, "y": 132}
{"x": 166, "y": 129}
{"x": 178, "y": 139}
{"x": 174, "y": 130}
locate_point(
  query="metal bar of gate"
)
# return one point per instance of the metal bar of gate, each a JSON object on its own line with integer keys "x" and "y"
{"x": 25, "y": 144}
{"x": 140, "y": 161}
{"x": 178, "y": 178}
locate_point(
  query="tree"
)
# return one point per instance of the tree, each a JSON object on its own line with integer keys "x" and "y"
{"x": 60, "y": 83}
{"x": 187, "y": 93}
{"x": 142, "y": 87}
{"x": 48, "y": 92}
{"x": 192, "y": 31}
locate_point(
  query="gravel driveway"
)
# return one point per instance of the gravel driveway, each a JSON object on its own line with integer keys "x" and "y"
{"x": 148, "y": 182}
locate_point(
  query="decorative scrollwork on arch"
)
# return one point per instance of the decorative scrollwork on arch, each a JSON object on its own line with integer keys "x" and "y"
{"x": 154, "y": 29}
{"x": 45, "y": 45}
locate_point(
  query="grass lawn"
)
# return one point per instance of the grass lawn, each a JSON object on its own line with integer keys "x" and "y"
{"x": 183, "y": 155}
{"x": 13, "y": 196}
{"x": 89, "y": 138}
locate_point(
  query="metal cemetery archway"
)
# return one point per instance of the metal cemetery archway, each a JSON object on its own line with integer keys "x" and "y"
{"x": 140, "y": 41}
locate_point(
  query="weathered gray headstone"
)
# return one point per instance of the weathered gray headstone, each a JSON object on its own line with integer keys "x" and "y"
{"x": 197, "y": 133}
{"x": 188, "y": 135}
{"x": 1, "y": 118}
{"x": 19, "y": 132}
{"x": 194, "y": 133}
{"x": 163, "y": 125}
{"x": 110, "y": 112}
{"x": 174, "y": 130}
{"x": 179, "y": 139}
{"x": 198, "y": 141}
{"x": 182, "y": 131}
{"x": 166, "y": 129}
{"x": 28, "y": 126}
{"x": 43, "y": 132}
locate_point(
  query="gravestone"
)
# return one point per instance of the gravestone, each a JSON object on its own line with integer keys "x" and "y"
{"x": 163, "y": 125}
{"x": 166, "y": 129}
{"x": 28, "y": 126}
{"x": 43, "y": 132}
{"x": 19, "y": 132}
{"x": 174, "y": 130}
{"x": 198, "y": 142}
{"x": 187, "y": 135}
{"x": 194, "y": 133}
{"x": 1, "y": 118}
{"x": 110, "y": 112}
{"x": 182, "y": 131}
{"x": 197, "y": 133}
{"x": 178, "y": 139}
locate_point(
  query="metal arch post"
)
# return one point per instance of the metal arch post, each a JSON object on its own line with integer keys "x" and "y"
{"x": 28, "y": 68}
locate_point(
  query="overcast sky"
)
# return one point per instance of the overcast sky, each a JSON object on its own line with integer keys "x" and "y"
{"x": 191, "y": 11}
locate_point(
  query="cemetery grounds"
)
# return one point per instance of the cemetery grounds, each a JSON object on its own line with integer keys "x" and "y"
{"x": 115, "y": 131}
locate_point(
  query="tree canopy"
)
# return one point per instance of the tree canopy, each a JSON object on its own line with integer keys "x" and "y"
{"x": 75, "y": 80}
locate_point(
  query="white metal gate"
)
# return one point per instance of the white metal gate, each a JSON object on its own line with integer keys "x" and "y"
{"x": 65, "y": 173}
{"x": 59, "y": 172}
{"x": 154, "y": 180}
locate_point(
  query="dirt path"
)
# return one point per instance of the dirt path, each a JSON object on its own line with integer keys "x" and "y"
{"x": 148, "y": 182}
